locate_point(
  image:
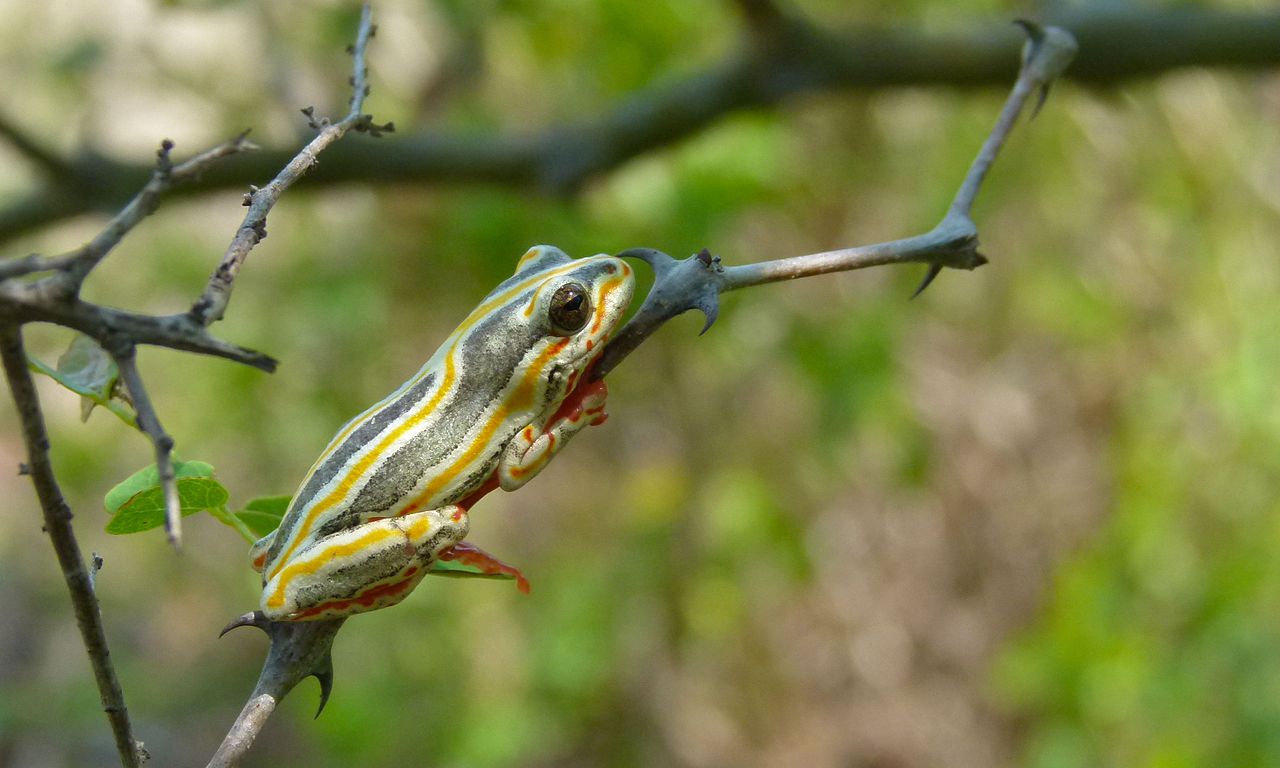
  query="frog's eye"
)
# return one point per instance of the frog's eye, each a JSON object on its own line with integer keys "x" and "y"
{"x": 569, "y": 310}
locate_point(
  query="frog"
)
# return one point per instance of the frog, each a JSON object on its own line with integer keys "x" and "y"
{"x": 388, "y": 497}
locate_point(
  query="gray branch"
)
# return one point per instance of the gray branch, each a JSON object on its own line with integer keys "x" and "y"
{"x": 782, "y": 57}
{"x": 127, "y": 360}
{"x": 299, "y": 649}
{"x": 28, "y": 302}
{"x": 57, "y": 523}
{"x": 163, "y": 178}
{"x": 28, "y": 294}
{"x": 212, "y": 303}
{"x": 698, "y": 281}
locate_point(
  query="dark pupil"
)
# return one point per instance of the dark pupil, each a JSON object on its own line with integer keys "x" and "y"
{"x": 569, "y": 308}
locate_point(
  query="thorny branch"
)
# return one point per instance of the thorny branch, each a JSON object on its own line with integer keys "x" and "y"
{"x": 126, "y": 358}
{"x": 299, "y": 649}
{"x": 38, "y": 288}
{"x": 57, "y": 523}
{"x": 302, "y": 649}
{"x": 698, "y": 281}
{"x": 782, "y": 56}
{"x": 211, "y": 305}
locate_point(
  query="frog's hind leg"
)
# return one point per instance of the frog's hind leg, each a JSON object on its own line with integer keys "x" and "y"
{"x": 466, "y": 553}
{"x": 374, "y": 565}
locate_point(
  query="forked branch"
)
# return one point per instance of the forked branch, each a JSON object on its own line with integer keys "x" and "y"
{"x": 698, "y": 281}
{"x": 211, "y": 305}
{"x": 300, "y": 649}
{"x": 38, "y": 288}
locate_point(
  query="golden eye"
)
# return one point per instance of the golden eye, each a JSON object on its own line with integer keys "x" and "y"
{"x": 569, "y": 310}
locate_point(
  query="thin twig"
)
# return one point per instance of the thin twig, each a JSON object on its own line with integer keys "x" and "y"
{"x": 211, "y": 305}
{"x": 163, "y": 178}
{"x": 26, "y": 303}
{"x": 953, "y": 243}
{"x": 57, "y": 522}
{"x": 126, "y": 358}
{"x": 33, "y": 263}
{"x": 698, "y": 281}
{"x": 1045, "y": 57}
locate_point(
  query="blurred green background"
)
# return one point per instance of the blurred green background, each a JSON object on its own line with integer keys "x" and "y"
{"x": 1027, "y": 519}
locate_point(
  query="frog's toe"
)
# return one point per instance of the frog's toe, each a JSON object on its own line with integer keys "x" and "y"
{"x": 485, "y": 565}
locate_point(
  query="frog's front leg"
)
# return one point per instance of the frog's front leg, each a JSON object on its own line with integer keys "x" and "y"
{"x": 531, "y": 448}
{"x": 370, "y": 566}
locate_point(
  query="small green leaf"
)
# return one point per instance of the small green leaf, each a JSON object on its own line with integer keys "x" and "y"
{"x": 149, "y": 477}
{"x": 145, "y": 510}
{"x": 454, "y": 569}
{"x": 269, "y": 505}
{"x": 86, "y": 369}
{"x": 264, "y": 513}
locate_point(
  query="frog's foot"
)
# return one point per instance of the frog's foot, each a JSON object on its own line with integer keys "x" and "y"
{"x": 584, "y": 405}
{"x": 469, "y": 554}
{"x": 531, "y": 449}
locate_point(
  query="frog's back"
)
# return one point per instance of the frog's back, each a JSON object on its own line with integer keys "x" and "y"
{"x": 432, "y": 441}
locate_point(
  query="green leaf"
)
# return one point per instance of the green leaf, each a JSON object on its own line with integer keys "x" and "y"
{"x": 454, "y": 569}
{"x": 264, "y": 513}
{"x": 269, "y": 505}
{"x": 145, "y": 510}
{"x": 86, "y": 369}
{"x": 149, "y": 477}
{"x": 137, "y": 503}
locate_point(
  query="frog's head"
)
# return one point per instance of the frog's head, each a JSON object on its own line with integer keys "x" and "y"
{"x": 576, "y": 304}
{"x": 551, "y": 319}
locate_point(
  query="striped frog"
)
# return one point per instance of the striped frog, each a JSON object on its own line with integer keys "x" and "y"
{"x": 389, "y": 495}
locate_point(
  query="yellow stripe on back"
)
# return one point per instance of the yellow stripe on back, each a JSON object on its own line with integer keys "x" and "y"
{"x": 471, "y": 321}
{"x": 304, "y": 567}
{"x": 521, "y": 397}
{"x": 361, "y": 467}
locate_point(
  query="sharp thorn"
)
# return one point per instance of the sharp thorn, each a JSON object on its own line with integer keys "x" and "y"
{"x": 1040, "y": 99}
{"x": 253, "y": 619}
{"x": 324, "y": 674}
{"x": 709, "y": 306}
{"x": 1032, "y": 29}
{"x": 711, "y": 320}
{"x": 934, "y": 271}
